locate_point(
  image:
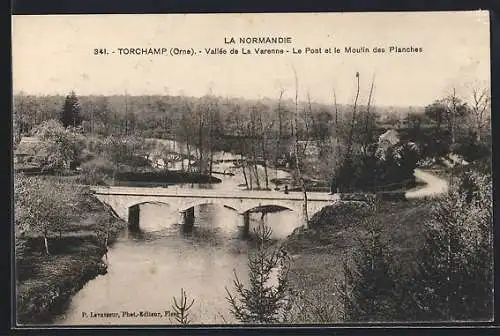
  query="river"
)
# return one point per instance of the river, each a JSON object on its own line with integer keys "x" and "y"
{"x": 147, "y": 269}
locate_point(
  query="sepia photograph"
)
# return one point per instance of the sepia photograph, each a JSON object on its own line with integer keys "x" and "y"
{"x": 252, "y": 169}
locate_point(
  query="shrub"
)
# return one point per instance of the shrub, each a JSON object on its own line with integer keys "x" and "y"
{"x": 343, "y": 214}
{"x": 470, "y": 148}
{"x": 96, "y": 171}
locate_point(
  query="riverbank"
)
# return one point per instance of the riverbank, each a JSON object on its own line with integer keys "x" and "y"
{"x": 165, "y": 177}
{"x": 45, "y": 283}
{"x": 319, "y": 251}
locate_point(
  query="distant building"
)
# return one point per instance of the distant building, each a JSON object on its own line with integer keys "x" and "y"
{"x": 390, "y": 137}
{"x": 310, "y": 148}
{"x": 28, "y": 151}
{"x": 387, "y": 140}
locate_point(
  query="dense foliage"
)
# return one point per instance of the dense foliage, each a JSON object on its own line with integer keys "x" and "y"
{"x": 455, "y": 266}
{"x": 450, "y": 276}
{"x": 59, "y": 147}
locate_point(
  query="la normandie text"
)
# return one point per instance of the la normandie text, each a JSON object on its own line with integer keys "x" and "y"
{"x": 258, "y": 40}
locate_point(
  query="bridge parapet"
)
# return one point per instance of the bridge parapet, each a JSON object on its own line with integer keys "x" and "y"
{"x": 182, "y": 199}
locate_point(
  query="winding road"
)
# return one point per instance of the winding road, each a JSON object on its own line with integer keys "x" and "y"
{"x": 435, "y": 185}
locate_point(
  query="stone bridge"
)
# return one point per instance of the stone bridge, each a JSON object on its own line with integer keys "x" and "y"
{"x": 125, "y": 201}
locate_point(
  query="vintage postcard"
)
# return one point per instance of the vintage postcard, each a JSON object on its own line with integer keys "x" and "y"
{"x": 232, "y": 169}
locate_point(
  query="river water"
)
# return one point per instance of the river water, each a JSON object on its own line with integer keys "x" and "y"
{"x": 147, "y": 269}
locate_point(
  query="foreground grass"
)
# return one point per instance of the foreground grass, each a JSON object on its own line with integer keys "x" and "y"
{"x": 45, "y": 283}
{"x": 318, "y": 252}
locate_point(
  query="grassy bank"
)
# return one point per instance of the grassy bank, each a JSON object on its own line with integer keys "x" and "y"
{"x": 318, "y": 252}
{"x": 45, "y": 283}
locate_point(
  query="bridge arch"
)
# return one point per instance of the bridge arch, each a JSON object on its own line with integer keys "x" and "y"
{"x": 133, "y": 211}
{"x": 149, "y": 202}
{"x": 225, "y": 203}
{"x": 271, "y": 203}
{"x": 271, "y": 207}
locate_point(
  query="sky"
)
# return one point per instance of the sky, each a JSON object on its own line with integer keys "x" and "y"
{"x": 54, "y": 55}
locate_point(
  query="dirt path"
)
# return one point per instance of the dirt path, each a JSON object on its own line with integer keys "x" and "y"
{"x": 435, "y": 186}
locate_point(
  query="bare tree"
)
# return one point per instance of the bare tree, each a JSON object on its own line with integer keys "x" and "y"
{"x": 353, "y": 120}
{"x": 242, "y": 145}
{"x": 368, "y": 130}
{"x": 211, "y": 137}
{"x": 452, "y": 114}
{"x": 454, "y": 110}
{"x": 280, "y": 125}
{"x": 480, "y": 109}
{"x": 264, "y": 130}
{"x": 254, "y": 136}
{"x": 296, "y": 145}
{"x": 336, "y": 132}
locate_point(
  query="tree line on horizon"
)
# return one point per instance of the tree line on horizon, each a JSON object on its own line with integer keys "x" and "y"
{"x": 343, "y": 138}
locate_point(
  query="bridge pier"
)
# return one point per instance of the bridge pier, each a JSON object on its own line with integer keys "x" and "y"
{"x": 188, "y": 218}
{"x": 133, "y": 217}
{"x": 246, "y": 224}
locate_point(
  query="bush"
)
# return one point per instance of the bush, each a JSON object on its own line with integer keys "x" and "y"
{"x": 343, "y": 214}
{"x": 470, "y": 148}
{"x": 392, "y": 196}
{"x": 372, "y": 171}
{"x": 96, "y": 171}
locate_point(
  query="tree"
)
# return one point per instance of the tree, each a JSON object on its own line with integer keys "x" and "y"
{"x": 42, "y": 207}
{"x": 296, "y": 152}
{"x": 70, "y": 115}
{"x": 59, "y": 147}
{"x": 480, "y": 110}
{"x": 129, "y": 151}
{"x": 471, "y": 147}
{"x": 369, "y": 286}
{"x": 454, "y": 274}
{"x": 353, "y": 119}
{"x": 449, "y": 111}
{"x": 262, "y": 301}
{"x": 455, "y": 111}
{"x": 181, "y": 308}
{"x": 279, "y": 111}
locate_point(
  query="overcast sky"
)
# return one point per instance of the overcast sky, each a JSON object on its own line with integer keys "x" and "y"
{"x": 54, "y": 54}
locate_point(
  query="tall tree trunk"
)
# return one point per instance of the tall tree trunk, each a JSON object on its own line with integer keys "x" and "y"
{"x": 263, "y": 131}
{"x": 266, "y": 172}
{"x": 250, "y": 174}
{"x": 182, "y": 156}
{"x": 297, "y": 162}
{"x": 254, "y": 165}
{"x": 336, "y": 145}
{"x": 244, "y": 173}
{"x": 353, "y": 120}
{"x": 280, "y": 128}
{"x": 200, "y": 143}
{"x": 210, "y": 140}
{"x": 452, "y": 116}
{"x": 46, "y": 241}
{"x": 368, "y": 129}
